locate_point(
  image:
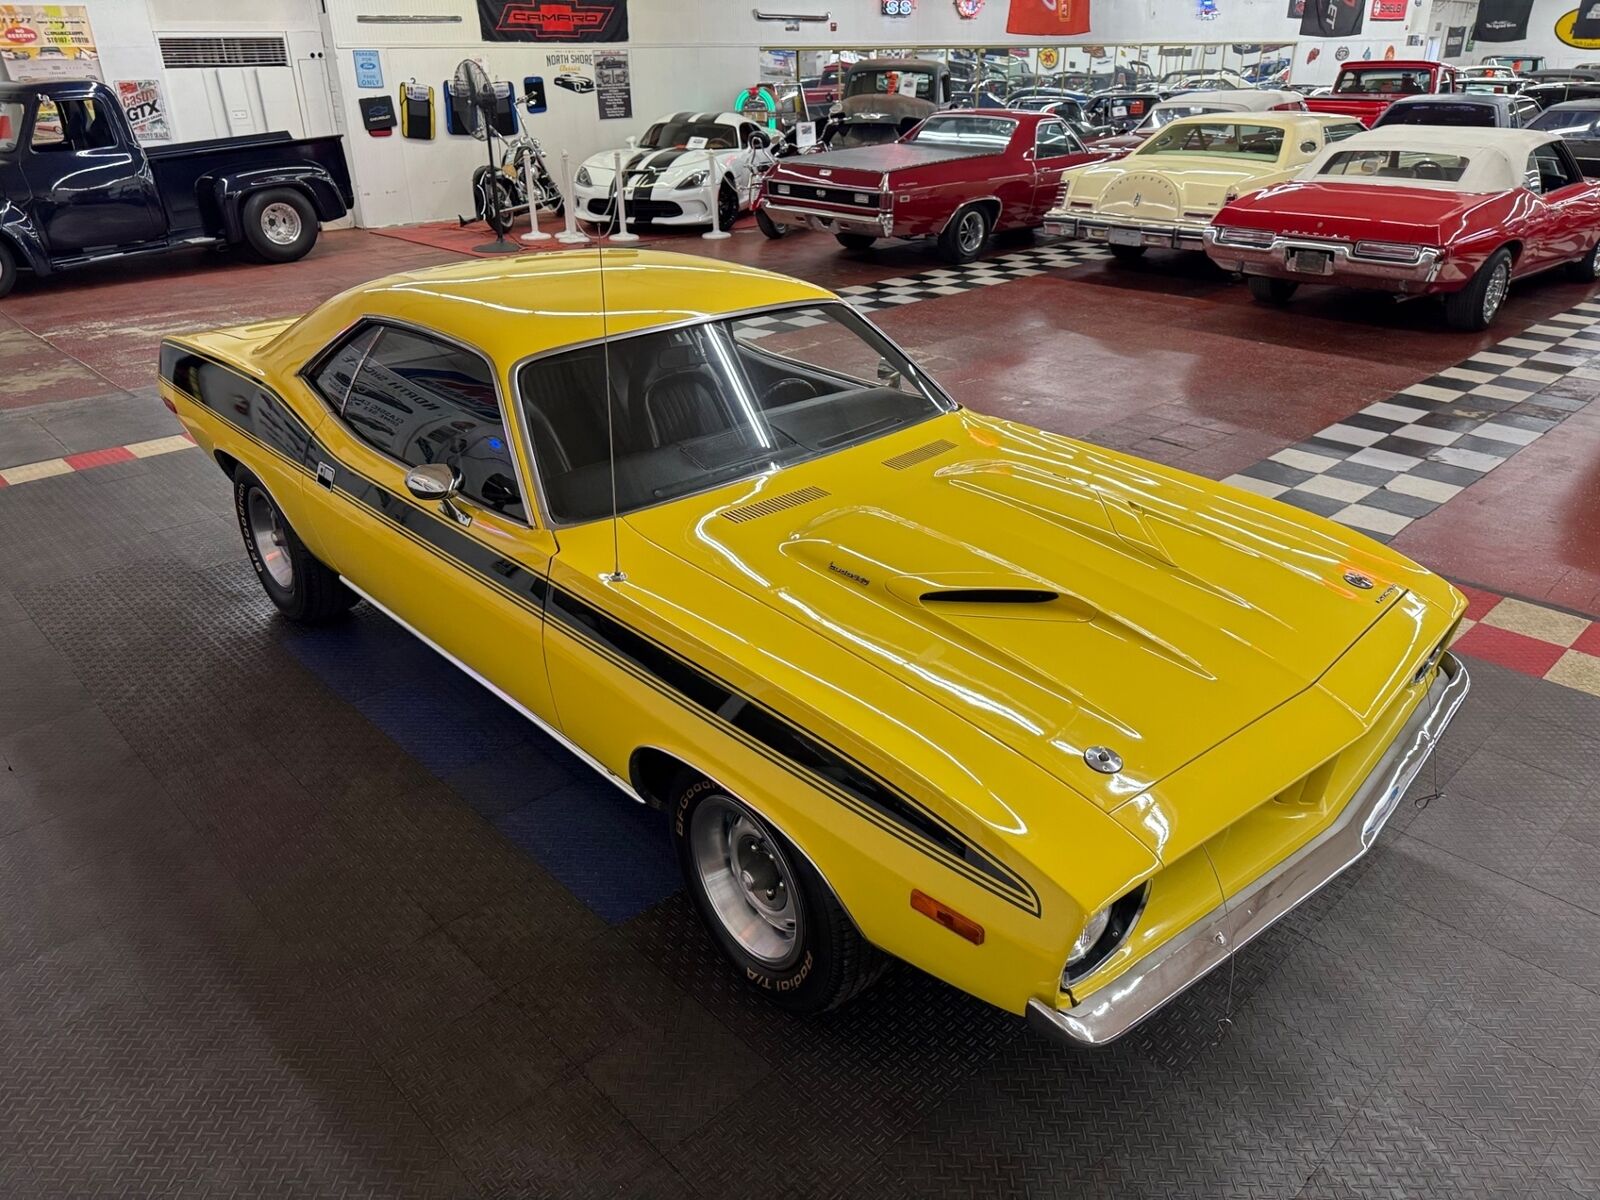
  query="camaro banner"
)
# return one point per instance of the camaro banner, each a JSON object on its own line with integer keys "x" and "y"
{"x": 553, "y": 20}
{"x": 1332, "y": 18}
{"x": 1042, "y": 18}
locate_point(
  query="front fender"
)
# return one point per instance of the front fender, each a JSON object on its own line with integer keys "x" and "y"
{"x": 22, "y": 235}
{"x": 226, "y": 193}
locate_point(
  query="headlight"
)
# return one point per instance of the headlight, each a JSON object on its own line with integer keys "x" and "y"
{"x": 583, "y": 179}
{"x": 1092, "y": 931}
{"x": 698, "y": 179}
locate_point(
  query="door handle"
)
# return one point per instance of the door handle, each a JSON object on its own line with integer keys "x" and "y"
{"x": 325, "y": 474}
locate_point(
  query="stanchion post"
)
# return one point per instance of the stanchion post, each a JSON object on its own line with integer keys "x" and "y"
{"x": 621, "y": 235}
{"x": 534, "y": 234}
{"x": 570, "y": 236}
{"x": 714, "y": 181}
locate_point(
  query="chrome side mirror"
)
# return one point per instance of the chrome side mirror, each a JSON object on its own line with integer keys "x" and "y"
{"x": 438, "y": 482}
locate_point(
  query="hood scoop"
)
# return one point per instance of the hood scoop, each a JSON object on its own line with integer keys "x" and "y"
{"x": 991, "y": 595}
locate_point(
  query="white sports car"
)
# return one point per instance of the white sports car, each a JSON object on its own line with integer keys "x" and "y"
{"x": 669, "y": 171}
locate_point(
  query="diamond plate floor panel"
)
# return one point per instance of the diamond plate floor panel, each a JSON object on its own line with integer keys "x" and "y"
{"x": 263, "y": 931}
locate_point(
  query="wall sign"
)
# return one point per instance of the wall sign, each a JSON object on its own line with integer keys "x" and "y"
{"x": 1455, "y": 41}
{"x": 967, "y": 9}
{"x": 42, "y": 42}
{"x": 612, "y": 85}
{"x": 1581, "y": 26}
{"x": 1503, "y": 20}
{"x": 898, "y": 8}
{"x": 1046, "y": 18}
{"x": 146, "y": 108}
{"x": 369, "y": 69}
{"x": 1388, "y": 10}
{"x": 553, "y": 20}
{"x": 1333, "y": 18}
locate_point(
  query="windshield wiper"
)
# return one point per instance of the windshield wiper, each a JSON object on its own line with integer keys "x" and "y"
{"x": 851, "y": 435}
{"x": 731, "y": 471}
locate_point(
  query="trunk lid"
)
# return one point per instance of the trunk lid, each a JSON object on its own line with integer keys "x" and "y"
{"x": 865, "y": 166}
{"x": 1354, "y": 211}
{"x": 1057, "y": 596}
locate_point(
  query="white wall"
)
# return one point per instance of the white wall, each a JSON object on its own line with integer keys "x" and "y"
{"x": 1541, "y": 39}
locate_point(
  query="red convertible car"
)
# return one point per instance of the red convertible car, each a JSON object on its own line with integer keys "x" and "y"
{"x": 957, "y": 178}
{"x": 1419, "y": 210}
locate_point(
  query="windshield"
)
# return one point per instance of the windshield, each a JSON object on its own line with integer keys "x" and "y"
{"x": 975, "y": 133}
{"x": 10, "y": 125}
{"x": 704, "y": 405}
{"x": 1422, "y": 165}
{"x": 1160, "y": 118}
{"x": 1217, "y": 137}
{"x": 888, "y": 83}
{"x": 1570, "y": 122}
{"x": 1383, "y": 82}
{"x": 1440, "y": 113}
{"x": 676, "y": 135}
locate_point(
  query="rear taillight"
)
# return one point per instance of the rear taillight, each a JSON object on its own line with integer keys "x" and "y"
{"x": 1232, "y": 235}
{"x": 1395, "y": 252}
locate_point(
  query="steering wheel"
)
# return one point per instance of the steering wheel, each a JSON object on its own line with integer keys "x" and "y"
{"x": 1426, "y": 168}
{"x": 787, "y": 391}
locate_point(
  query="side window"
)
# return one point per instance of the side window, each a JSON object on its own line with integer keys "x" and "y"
{"x": 1338, "y": 133}
{"x": 420, "y": 400}
{"x": 71, "y": 125}
{"x": 1054, "y": 140}
{"x": 1548, "y": 170}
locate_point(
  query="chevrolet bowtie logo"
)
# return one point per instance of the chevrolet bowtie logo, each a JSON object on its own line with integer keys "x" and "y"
{"x": 554, "y": 18}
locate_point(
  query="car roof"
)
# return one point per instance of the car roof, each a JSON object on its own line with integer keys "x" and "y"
{"x": 1393, "y": 64}
{"x": 61, "y": 89}
{"x": 1249, "y": 99}
{"x": 537, "y": 303}
{"x": 1480, "y": 99}
{"x": 1497, "y": 159}
{"x": 1586, "y": 104}
{"x": 1271, "y": 120}
{"x": 703, "y": 118}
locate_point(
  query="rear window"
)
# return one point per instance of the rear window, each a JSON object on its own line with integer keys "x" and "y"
{"x": 1570, "y": 122}
{"x": 1217, "y": 137}
{"x": 972, "y": 133}
{"x": 1441, "y": 113}
{"x": 1380, "y": 82}
{"x": 1424, "y": 165}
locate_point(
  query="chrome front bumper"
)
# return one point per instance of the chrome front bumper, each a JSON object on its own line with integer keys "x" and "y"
{"x": 1109, "y": 1013}
{"x": 1344, "y": 265}
{"x": 1180, "y": 235}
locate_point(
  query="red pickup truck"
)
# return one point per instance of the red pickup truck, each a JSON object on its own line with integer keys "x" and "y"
{"x": 1365, "y": 89}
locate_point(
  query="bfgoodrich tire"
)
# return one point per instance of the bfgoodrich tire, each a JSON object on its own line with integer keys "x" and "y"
{"x": 303, "y": 589}
{"x": 279, "y": 224}
{"x": 767, "y": 909}
{"x": 768, "y": 226}
{"x": 8, "y": 269}
{"x": 1476, "y": 306}
{"x": 855, "y": 242}
{"x": 964, "y": 238}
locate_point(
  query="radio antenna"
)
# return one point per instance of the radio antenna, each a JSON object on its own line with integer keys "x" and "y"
{"x": 616, "y": 575}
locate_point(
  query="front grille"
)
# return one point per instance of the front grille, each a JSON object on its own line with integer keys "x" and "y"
{"x": 653, "y": 210}
{"x": 192, "y": 52}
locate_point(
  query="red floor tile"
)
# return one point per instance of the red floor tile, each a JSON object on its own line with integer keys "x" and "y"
{"x": 1589, "y": 641}
{"x": 1479, "y": 602}
{"x": 1513, "y": 650}
{"x": 98, "y": 458}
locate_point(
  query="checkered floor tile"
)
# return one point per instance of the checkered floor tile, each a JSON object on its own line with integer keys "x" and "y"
{"x": 1383, "y": 467}
{"x": 950, "y": 281}
{"x": 1548, "y": 643}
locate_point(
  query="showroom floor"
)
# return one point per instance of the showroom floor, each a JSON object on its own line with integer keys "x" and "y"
{"x": 306, "y": 913}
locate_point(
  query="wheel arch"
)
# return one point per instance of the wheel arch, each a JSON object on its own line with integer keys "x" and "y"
{"x": 651, "y": 771}
{"x": 991, "y": 204}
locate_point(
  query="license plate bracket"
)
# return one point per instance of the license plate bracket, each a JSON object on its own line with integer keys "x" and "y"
{"x": 1311, "y": 262}
{"x": 1124, "y": 237}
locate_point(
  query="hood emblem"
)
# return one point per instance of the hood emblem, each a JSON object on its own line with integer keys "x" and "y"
{"x": 1138, "y": 199}
{"x": 824, "y": 171}
{"x": 1357, "y": 579}
{"x": 1103, "y": 759}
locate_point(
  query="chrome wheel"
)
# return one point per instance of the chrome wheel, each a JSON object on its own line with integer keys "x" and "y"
{"x": 281, "y": 223}
{"x": 748, "y": 881}
{"x": 270, "y": 538}
{"x": 1494, "y": 295}
{"x": 969, "y": 234}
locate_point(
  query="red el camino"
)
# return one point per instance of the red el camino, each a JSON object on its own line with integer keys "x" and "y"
{"x": 1421, "y": 210}
{"x": 957, "y": 177}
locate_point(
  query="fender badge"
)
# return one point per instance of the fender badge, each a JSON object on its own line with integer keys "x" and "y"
{"x": 1103, "y": 759}
{"x": 1357, "y": 579}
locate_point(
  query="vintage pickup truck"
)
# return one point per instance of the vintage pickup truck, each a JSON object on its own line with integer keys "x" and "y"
{"x": 76, "y": 187}
{"x": 1365, "y": 89}
{"x": 956, "y": 178}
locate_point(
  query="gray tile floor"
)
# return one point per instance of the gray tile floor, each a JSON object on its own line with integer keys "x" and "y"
{"x": 249, "y": 947}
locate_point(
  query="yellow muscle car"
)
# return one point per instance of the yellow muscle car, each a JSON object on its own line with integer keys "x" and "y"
{"x": 1054, "y": 724}
{"x": 1166, "y": 192}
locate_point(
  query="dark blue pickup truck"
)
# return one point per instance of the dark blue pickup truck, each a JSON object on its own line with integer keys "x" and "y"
{"x": 77, "y": 188}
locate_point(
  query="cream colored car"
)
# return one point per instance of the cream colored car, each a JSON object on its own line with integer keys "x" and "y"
{"x": 1167, "y": 191}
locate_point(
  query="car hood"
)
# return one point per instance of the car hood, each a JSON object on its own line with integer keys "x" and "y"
{"x": 668, "y": 165}
{"x": 1057, "y": 595}
{"x": 1163, "y": 187}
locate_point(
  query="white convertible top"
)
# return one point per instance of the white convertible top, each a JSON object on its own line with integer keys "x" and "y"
{"x": 1497, "y": 159}
{"x": 1233, "y": 99}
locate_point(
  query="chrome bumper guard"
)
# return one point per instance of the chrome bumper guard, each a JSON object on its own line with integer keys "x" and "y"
{"x": 876, "y": 222}
{"x": 1166, "y": 972}
{"x": 1178, "y": 236}
{"x": 1273, "y": 260}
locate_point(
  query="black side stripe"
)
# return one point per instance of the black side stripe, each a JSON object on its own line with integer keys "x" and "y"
{"x": 263, "y": 417}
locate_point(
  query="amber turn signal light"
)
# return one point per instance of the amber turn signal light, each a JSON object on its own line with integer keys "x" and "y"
{"x": 948, "y": 917}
